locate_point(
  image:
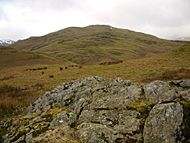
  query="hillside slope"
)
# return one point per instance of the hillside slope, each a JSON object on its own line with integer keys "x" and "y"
{"x": 96, "y": 44}
{"x": 10, "y": 57}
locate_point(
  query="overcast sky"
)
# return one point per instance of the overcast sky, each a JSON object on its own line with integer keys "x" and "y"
{"x": 21, "y": 19}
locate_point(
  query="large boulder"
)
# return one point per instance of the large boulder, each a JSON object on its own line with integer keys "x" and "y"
{"x": 167, "y": 123}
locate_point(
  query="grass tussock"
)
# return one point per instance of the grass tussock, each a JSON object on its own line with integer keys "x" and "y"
{"x": 13, "y": 100}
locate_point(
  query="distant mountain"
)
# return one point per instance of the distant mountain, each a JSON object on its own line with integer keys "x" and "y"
{"x": 96, "y": 44}
{"x": 6, "y": 42}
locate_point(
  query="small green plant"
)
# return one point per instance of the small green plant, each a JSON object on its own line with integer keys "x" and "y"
{"x": 140, "y": 106}
{"x": 143, "y": 107}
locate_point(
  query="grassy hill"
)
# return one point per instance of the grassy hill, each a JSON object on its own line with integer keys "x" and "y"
{"x": 96, "y": 44}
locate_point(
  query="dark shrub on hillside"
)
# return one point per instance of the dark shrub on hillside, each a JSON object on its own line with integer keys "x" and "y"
{"x": 51, "y": 76}
{"x": 34, "y": 69}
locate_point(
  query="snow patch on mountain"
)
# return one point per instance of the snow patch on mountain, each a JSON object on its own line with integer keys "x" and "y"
{"x": 6, "y": 42}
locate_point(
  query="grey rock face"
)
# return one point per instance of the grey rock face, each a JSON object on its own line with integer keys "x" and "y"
{"x": 94, "y": 133}
{"x": 165, "y": 124}
{"x": 97, "y": 110}
{"x": 185, "y": 83}
{"x": 185, "y": 95}
{"x": 63, "y": 118}
{"x": 159, "y": 91}
{"x": 69, "y": 93}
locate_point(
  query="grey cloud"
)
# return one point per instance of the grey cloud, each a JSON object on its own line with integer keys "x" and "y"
{"x": 14, "y": 33}
{"x": 2, "y": 14}
{"x": 41, "y": 5}
{"x": 163, "y": 18}
{"x": 164, "y": 15}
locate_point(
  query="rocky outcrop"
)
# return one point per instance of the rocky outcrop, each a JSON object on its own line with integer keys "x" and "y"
{"x": 97, "y": 110}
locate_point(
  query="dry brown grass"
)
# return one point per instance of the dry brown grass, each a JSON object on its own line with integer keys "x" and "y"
{"x": 13, "y": 100}
{"x": 175, "y": 74}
